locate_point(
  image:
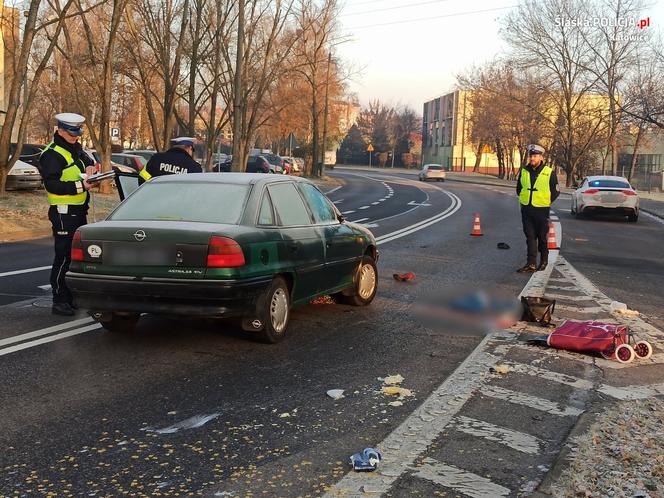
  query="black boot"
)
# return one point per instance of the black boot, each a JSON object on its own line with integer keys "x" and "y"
{"x": 528, "y": 268}
{"x": 63, "y": 309}
{"x": 542, "y": 265}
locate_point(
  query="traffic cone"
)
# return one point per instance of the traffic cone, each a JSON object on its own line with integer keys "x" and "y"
{"x": 477, "y": 230}
{"x": 551, "y": 239}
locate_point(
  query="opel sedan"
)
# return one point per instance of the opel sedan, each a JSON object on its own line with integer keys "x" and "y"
{"x": 235, "y": 245}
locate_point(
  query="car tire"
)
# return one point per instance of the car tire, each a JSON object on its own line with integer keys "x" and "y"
{"x": 577, "y": 213}
{"x": 123, "y": 323}
{"x": 633, "y": 217}
{"x": 365, "y": 283}
{"x": 274, "y": 312}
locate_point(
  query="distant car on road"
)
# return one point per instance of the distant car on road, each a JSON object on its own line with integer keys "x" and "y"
{"x": 432, "y": 172}
{"x": 258, "y": 164}
{"x": 607, "y": 194}
{"x": 223, "y": 165}
{"x": 164, "y": 251}
{"x": 23, "y": 176}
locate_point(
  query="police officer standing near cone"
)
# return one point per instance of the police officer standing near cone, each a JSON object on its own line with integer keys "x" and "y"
{"x": 537, "y": 188}
{"x": 177, "y": 160}
{"x": 63, "y": 166}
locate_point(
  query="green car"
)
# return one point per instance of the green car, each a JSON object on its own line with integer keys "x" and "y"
{"x": 234, "y": 245}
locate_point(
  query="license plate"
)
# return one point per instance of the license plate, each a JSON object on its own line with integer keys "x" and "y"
{"x": 135, "y": 255}
{"x": 612, "y": 198}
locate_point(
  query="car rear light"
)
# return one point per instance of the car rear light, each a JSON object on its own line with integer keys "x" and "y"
{"x": 629, "y": 192}
{"x": 224, "y": 253}
{"x": 77, "y": 247}
{"x": 590, "y": 191}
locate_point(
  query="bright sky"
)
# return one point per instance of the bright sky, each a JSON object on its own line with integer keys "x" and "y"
{"x": 412, "y": 62}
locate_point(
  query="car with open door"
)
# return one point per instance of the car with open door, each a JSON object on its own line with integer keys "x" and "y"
{"x": 168, "y": 249}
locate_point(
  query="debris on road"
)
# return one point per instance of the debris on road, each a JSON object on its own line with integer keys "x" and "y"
{"x": 502, "y": 245}
{"x": 538, "y": 310}
{"x": 395, "y": 403}
{"x": 392, "y": 380}
{"x": 501, "y": 368}
{"x": 284, "y": 415}
{"x": 404, "y": 277}
{"x": 335, "y": 393}
{"x": 402, "y": 392}
{"x": 323, "y": 300}
{"x": 366, "y": 461}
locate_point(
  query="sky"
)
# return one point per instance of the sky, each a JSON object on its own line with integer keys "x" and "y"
{"x": 411, "y": 62}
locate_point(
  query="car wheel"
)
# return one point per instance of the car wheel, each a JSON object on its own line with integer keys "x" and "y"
{"x": 123, "y": 323}
{"x": 633, "y": 217}
{"x": 274, "y": 312}
{"x": 365, "y": 283}
{"x": 578, "y": 214}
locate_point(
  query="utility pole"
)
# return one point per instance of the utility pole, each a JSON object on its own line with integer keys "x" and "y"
{"x": 237, "y": 97}
{"x": 462, "y": 166}
{"x": 327, "y": 91}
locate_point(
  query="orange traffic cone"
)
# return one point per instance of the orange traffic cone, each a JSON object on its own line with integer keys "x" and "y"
{"x": 477, "y": 230}
{"x": 551, "y": 239}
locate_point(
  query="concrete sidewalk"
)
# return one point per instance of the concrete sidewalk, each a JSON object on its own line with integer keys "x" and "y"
{"x": 651, "y": 202}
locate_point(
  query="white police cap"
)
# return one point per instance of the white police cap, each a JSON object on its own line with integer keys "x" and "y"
{"x": 187, "y": 141}
{"x": 71, "y": 122}
{"x": 535, "y": 149}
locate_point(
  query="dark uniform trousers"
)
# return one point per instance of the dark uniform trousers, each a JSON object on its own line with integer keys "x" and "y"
{"x": 64, "y": 226}
{"x": 536, "y": 228}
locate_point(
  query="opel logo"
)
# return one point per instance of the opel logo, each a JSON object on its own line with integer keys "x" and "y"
{"x": 139, "y": 235}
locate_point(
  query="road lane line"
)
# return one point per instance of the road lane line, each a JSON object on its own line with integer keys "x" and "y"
{"x": 359, "y": 221}
{"x": 516, "y": 440}
{"x": 333, "y": 190}
{"x": 364, "y": 207}
{"x": 50, "y": 338}
{"x": 27, "y": 270}
{"x": 46, "y": 331}
{"x": 351, "y": 211}
{"x": 545, "y": 374}
{"x": 652, "y": 217}
{"x": 459, "y": 480}
{"x": 338, "y": 202}
{"x": 45, "y": 287}
{"x": 540, "y": 404}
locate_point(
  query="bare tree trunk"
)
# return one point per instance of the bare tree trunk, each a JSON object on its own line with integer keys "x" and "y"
{"x": 635, "y": 151}
{"x": 478, "y": 157}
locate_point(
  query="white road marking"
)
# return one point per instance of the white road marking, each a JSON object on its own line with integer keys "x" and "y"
{"x": 374, "y": 203}
{"x": 364, "y": 207}
{"x": 27, "y": 270}
{"x": 45, "y": 287}
{"x": 519, "y": 441}
{"x": 50, "y": 338}
{"x": 413, "y": 203}
{"x": 46, "y": 331}
{"x": 381, "y": 200}
{"x": 653, "y": 217}
{"x": 191, "y": 423}
{"x": 348, "y": 212}
{"x": 360, "y": 220}
{"x": 370, "y": 225}
{"x": 530, "y": 401}
{"x": 545, "y": 374}
{"x": 338, "y": 202}
{"x": 333, "y": 190}
{"x": 564, "y": 297}
{"x": 459, "y": 480}
{"x": 594, "y": 310}
{"x": 633, "y": 392}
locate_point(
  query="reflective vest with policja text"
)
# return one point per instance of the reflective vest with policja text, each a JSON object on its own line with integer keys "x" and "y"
{"x": 71, "y": 173}
{"x": 540, "y": 192}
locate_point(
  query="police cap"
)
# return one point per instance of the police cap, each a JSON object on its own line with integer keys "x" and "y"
{"x": 71, "y": 122}
{"x": 184, "y": 141}
{"x": 535, "y": 149}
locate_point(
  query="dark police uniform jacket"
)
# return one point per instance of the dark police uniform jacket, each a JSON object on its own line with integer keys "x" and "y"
{"x": 51, "y": 164}
{"x": 175, "y": 161}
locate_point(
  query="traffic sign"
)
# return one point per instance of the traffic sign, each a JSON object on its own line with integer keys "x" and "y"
{"x": 115, "y": 132}
{"x": 370, "y": 148}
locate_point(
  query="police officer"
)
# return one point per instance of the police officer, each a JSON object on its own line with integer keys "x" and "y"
{"x": 62, "y": 164}
{"x": 175, "y": 161}
{"x": 537, "y": 188}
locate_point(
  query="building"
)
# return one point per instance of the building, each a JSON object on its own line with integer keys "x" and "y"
{"x": 649, "y": 168}
{"x": 446, "y": 132}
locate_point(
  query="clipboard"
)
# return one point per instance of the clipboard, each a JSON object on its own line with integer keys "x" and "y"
{"x": 97, "y": 177}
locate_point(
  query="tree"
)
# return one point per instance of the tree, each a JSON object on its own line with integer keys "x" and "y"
{"x": 353, "y": 148}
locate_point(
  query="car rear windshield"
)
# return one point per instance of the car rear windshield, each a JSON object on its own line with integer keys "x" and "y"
{"x": 198, "y": 202}
{"x": 434, "y": 167}
{"x": 609, "y": 184}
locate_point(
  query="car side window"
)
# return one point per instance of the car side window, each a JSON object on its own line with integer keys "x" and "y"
{"x": 289, "y": 205}
{"x": 266, "y": 215}
{"x": 320, "y": 207}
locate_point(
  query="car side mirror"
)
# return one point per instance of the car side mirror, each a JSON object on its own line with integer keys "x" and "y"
{"x": 341, "y": 217}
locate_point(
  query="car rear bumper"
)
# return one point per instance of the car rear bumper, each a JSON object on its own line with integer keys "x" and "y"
{"x": 16, "y": 182}
{"x": 219, "y": 298}
{"x": 625, "y": 210}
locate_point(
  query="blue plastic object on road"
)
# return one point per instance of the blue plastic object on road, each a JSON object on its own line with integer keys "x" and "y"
{"x": 366, "y": 461}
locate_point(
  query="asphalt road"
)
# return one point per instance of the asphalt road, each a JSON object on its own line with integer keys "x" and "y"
{"x": 185, "y": 407}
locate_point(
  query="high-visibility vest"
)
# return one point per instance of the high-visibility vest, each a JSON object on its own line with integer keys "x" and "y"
{"x": 71, "y": 173}
{"x": 538, "y": 195}
{"x": 145, "y": 174}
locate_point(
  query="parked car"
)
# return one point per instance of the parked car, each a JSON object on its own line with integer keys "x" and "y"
{"x": 258, "y": 164}
{"x": 432, "y": 172}
{"x": 224, "y": 165}
{"x": 277, "y": 244}
{"x": 134, "y": 161}
{"x": 608, "y": 194}
{"x": 290, "y": 167}
{"x": 299, "y": 164}
{"x": 30, "y": 153}
{"x": 275, "y": 162}
{"x": 144, "y": 153}
{"x": 23, "y": 176}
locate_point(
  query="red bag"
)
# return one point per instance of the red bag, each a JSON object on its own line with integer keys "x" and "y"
{"x": 589, "y": 337}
